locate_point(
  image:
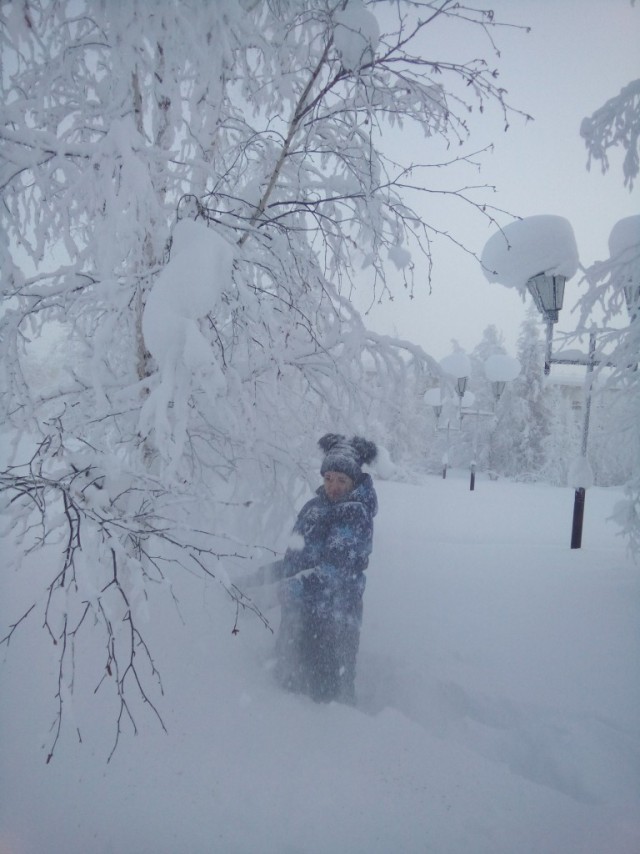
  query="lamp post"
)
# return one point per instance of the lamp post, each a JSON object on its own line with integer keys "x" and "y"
{"x": 499, "y": 370}
{"x": 547, "y": 243}
{"x": 458, "y": 367}
{"x": 433, "y": 396}
{"x": 548, "y": 294}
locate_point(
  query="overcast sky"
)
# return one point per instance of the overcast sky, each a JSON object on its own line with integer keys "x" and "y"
{"x": 578, "y": 54}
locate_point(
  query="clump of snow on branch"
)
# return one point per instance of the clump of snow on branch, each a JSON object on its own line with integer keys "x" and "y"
{"x": 355, "y": 35}
{"x": 400, "y": 256}
{"x": 536, "y": 244}
{"x": 624, "y": 241}
{"x": 187, "y": 290}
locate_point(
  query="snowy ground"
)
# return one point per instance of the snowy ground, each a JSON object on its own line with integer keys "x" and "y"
{"x": 499, "y": 708}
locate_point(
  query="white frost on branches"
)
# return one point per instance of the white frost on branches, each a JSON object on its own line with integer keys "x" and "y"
{"x": 616, "y": 125}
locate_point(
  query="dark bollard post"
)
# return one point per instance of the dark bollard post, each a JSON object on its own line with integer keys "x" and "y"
{"x": 444, "y": 471}
{"x": 578, "y": 517}
{"x": 578, "y": 504}
{"x": 472, "y": 482}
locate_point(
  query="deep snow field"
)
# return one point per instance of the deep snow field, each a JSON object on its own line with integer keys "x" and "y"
{"x": 498, "y": 713}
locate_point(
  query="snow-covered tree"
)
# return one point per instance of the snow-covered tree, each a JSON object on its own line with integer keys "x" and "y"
{"x": 616, "y": 124}
{"x": 484, "y": 427}
{"x": 612, "y": 460}
{"x": 563, "y": 439}
{"x": 189, "y": 193}
{"x": 517, "y": 448}
{"x": 615, "y": 284}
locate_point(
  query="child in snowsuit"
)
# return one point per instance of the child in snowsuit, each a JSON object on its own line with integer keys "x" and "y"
{"x": 322, "y": 582}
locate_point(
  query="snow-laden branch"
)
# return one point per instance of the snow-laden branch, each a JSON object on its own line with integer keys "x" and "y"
{"x": 616, "y": 124}
{"x": 109, "y": 541}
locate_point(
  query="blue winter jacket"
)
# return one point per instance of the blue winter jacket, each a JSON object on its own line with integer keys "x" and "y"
{"x": 327, "y": 572}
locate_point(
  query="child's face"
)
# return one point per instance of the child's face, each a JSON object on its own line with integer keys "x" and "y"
{"x": 337, "y": 485}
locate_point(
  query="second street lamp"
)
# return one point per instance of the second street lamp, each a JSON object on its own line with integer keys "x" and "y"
{"x": 548, "y": 294}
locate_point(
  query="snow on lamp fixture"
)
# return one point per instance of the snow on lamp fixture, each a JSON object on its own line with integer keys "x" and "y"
{"x": 433, "y": 397}
{"x": 500, "y": 369}
{"x": 458, "y": 367}
{"x": 548, "y": 294}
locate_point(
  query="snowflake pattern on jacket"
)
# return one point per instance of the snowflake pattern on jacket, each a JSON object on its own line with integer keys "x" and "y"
{"x": 320, "y": 590}
{"x": 338, "y": 536}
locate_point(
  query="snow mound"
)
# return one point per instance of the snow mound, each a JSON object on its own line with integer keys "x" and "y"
{"x": 624, "y": 250}
{"x": 433, "y": 397}
{"x": 456, "y": 365}
{"x": 580, "y": 475}
{"x": 537, "y": 244}
{"x": 500, "y": 368}
{"x": 625, "y": 235}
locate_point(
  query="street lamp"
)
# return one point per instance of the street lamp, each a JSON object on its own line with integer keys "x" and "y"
{"x": 539, "y": 254}
{"x": 499, "y": 370}
{"x": 433, "y": 397}
{"x": 458, "y": 367}
{"x": 514, "y": 255}
{"x": 548, "y": 295}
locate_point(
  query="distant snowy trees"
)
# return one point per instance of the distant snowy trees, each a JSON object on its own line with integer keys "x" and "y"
{"x": 189, "y": 193}
{"x": 534, "y": 432}
{"x": 511, "y": 443}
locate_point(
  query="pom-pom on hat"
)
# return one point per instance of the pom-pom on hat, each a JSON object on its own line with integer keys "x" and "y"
{"x": 346, "y": 455}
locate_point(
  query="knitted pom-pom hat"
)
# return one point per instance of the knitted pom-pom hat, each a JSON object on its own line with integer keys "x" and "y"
{"x": 346, "y": 455}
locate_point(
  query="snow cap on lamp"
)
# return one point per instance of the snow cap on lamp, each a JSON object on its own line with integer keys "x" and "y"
{"x": 528, "y": 247}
